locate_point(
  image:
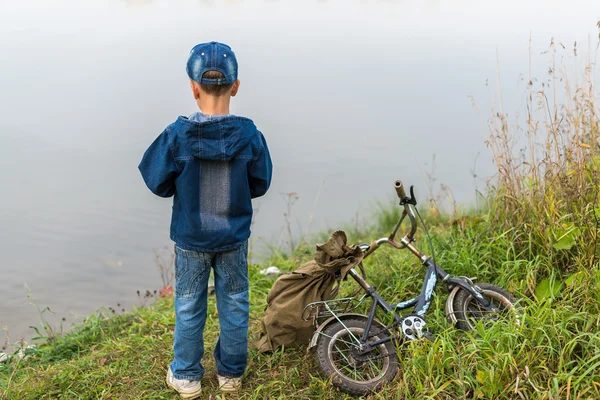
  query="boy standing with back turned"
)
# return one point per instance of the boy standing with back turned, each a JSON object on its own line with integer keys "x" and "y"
{"x": 213, "y": 163}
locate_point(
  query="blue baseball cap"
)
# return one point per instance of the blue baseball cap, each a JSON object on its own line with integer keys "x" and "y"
{"x": 213, "y": 56}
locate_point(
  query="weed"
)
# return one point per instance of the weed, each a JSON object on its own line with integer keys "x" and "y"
{"x": 165, "y": 259}
{"x": 290, "y": 199}
{"x": 46, "y": 333}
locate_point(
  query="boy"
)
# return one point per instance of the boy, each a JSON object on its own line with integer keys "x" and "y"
{"x": 213, "y": 163}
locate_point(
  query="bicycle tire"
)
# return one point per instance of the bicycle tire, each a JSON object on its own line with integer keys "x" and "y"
{"x": 332, "y": 340}
{"x": 467, "y": 309}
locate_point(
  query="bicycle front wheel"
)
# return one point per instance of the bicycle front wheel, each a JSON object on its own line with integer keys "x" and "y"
{"x": 468, "y": 310}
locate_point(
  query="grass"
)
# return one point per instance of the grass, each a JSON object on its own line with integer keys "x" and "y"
{"x": 554, "y": 354}
{"x": 126, "y": 356}
{"x": 537, "y": 237}
{"x": 550, "y": 188}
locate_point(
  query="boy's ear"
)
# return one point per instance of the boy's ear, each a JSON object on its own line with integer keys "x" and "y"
{"x": 195, "y": 89}
{"x": 235, "y": 87}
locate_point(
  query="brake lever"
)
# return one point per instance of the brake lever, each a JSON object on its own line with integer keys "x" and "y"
{"x": 409, "y": 200}
{"x": 412, "y": 199}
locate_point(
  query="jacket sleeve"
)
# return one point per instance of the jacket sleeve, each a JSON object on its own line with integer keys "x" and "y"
{"x": 158, "y": 167}
{"x": 260, "y": 171}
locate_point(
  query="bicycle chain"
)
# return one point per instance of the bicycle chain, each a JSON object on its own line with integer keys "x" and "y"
{"x": 362, "y": 358}
{"x": 385, "y": 331}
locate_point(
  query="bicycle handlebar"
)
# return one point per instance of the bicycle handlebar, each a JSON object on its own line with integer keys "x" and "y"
{"x": 406, "y": 202}
{"x": 400, "y": 190}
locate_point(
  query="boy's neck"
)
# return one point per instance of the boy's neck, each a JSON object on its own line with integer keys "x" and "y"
{"x": 213, "y": 105}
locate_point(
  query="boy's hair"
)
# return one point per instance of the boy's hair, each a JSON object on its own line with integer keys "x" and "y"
{"x": 215, "y": 90}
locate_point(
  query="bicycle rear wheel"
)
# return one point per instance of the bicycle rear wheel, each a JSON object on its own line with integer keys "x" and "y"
{"x": 357, "y": 375}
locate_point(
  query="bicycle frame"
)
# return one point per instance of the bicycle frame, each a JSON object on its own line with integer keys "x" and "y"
{"x": 434, "y": 273}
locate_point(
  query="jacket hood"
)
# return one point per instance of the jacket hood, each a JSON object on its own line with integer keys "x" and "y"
{"x": 218, "y": 139}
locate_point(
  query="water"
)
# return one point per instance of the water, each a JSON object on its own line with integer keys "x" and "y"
{"x": 356, "y": 93}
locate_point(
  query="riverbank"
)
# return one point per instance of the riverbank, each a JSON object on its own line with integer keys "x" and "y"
{"x": 554, "y": 354}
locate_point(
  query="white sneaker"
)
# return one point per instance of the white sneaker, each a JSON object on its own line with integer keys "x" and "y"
{"x": 186, "y": 389}
{"x": 229, "y": 384}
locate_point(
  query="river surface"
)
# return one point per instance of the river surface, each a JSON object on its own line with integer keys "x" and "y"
{"x": 350, "y": 94}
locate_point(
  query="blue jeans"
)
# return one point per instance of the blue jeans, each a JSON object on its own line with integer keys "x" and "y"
{"x": 192, "y": 270}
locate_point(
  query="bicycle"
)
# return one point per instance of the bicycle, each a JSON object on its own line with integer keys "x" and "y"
{"x": 358, "y": 352}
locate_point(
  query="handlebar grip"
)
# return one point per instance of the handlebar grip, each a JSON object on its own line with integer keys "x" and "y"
{"x": 400, "y": 190}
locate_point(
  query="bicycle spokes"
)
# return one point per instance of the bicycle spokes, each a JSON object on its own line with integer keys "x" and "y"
{"x": 348, "y": 361}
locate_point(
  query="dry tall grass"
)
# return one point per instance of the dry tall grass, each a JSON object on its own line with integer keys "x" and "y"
{"x": 547, "y": 193}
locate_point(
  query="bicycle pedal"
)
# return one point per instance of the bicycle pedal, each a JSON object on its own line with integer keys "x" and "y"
{"x": 429, "y": 336}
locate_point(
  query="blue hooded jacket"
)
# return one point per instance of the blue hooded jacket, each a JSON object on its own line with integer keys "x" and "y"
{"x": 213, "y": 169}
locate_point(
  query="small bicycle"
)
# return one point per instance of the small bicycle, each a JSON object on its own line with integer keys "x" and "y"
{"x": 358, "y": 352}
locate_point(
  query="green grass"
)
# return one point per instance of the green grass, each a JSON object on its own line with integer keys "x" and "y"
{"x": 554, "y": 354}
